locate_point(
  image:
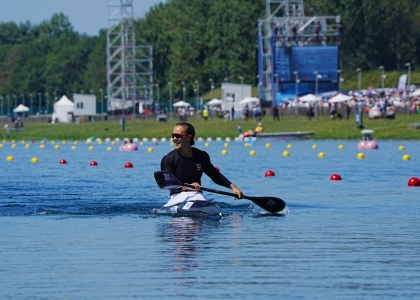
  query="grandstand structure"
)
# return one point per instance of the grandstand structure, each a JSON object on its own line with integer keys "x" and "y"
{"x": 298, "y": 51}
{"x": 129, "y": 61}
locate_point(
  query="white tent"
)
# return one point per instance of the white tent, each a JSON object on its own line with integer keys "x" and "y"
{"x": 21, "y": 108}
{"x": 247, "y": 100}
{"x": 340, "y": 98}
{"x": 63, "y": 110}
{"x": 181, "y": 104}
{"x": 309, "y": 98}
{"x": 416, "y": 93}
{"x": 214, "y": 102}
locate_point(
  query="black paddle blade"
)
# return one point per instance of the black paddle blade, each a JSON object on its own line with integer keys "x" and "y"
{"x": 167, "y": 181}
{"x": 270, "y": 204}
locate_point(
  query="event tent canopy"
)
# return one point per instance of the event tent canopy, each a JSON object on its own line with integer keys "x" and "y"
{"x": 21, "y": 108}
{"x": 214, "y": 102}
{"x": 181, "y": 104}
{"x": 416, "y": 93}
{"x": 340, "y": 98}
{"x": 247, "y": 100}
{"x": 63, "y": 110}
{"x": 310, "y": 98}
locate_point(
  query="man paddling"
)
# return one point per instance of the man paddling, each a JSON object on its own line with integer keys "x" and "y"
{"x": 188, "y": 164}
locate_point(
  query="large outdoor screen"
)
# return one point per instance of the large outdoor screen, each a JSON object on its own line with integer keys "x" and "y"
{"x": 306, "y": 60}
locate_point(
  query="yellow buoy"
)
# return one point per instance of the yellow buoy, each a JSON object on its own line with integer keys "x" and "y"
{"x": 73, "y": 147}
{"x": 57, "y": 147}
{"x": 4, "y": 141}
{"x": 224, "y": 151}
{"x": 314, "y": 146}
{"x": 1, "y": 145}
{"x": 406, "y": 157}
{"x": 401, "y": 148}
{"x": 246, "y": 145}
{"x": 13, "y": 141}
{"x": 42, "y": 146}
{"x": 27, "y": 146}
{"x": 63, "y": 142}
{"x": 150, "y": 149}
{"x": 268, "y": 145}
{"x": 75, "y": 142}
{"x": 99, "y": 142}
{"x": 113, "y": 143}
{"x": 23, "y": 141}
{"x": 34, "y": 160}
{"x": 141, "y": 143}
{"x": 52, "y": 142}
{"x": 10, "y": 158}
{"x": 286, "y": 153}
{"x": 13, "y": 145}
{"x": 360, "y": 155}
{"x": 226, "y": 145}
{"x": 321, "y": 154}
{"x": 206, "y": 144}
{"x": 90, "y": 148}
{"x": 289, "y": 146}
{"x": 341, "y": 147}
{"x": 252, "y": 152}
{"x": 109, "y": 148}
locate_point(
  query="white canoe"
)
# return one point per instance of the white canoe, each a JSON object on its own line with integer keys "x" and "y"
{"x": 195, "y": 208}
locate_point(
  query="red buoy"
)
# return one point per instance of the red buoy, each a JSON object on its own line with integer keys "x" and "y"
{"x": 93, "y": 163}
{"x": 414, "y": 181}
{"x": 128, "y": 165}
{"x": 63, "y": 161}
{"x": 335, "y": 177}
{"x": 217, "y": 168}
{"x": 269, "y": 173}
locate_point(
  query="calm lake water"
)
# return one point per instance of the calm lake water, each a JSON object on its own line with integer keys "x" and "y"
{"x": 79, "y": 232}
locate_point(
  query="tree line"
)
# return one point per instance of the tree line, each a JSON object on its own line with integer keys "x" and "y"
{"x": 202, "y": 41}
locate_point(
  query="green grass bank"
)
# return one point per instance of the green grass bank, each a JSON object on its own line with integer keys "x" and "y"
{"x": 324, "y": 127}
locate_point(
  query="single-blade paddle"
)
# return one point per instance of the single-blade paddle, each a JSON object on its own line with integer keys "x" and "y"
{"x": 167, "y": 181}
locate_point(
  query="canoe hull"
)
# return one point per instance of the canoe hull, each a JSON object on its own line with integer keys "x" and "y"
{"x": 195, "y": 208}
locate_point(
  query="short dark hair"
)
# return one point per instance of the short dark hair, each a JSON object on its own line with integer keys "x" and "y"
{"x": 188, "y": 129}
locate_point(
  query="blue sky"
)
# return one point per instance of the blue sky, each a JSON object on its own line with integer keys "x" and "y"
{"x": 86, "y": 16}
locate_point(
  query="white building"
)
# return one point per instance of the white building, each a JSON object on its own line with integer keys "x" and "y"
{"x": 232, "y": 94}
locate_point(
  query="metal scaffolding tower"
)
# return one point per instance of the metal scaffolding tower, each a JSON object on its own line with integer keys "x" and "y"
{"x": 129, "y": 65}
{"x": 287, "y": 26}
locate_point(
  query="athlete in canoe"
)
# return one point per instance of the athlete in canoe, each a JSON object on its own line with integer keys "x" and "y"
{"x": 188, "y": 163}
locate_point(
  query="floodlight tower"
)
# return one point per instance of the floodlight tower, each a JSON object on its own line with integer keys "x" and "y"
{"x": 129, "y": 65}
{"x": 286, "y": 26}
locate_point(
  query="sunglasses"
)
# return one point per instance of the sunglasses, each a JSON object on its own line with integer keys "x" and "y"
{"x": 179, "y": 135}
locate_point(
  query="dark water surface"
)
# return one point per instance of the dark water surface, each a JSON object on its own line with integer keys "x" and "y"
{"x": 79, "y": 232}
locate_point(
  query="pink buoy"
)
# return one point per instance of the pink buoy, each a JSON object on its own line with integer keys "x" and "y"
{"x": 413, "y": 181}
{"x": 335, "y": 177}
{"x": 93, "y": 163}
{"x": 269, "y": 173}
{"x": 128, "y": 165}
{"x": 367, "y": 143}
{"x": 128, "y": 147}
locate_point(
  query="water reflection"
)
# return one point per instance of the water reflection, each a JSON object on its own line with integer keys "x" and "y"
{"x": 182, "y": 237}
